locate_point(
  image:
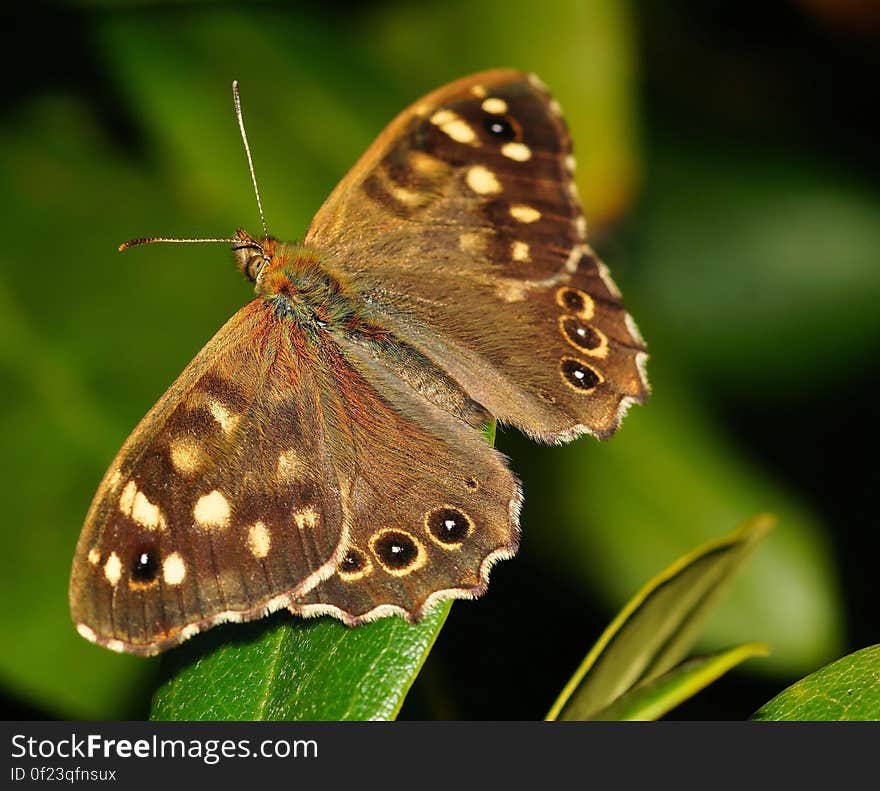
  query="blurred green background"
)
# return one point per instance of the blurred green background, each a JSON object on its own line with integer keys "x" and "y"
{"x": 730, "y": 175}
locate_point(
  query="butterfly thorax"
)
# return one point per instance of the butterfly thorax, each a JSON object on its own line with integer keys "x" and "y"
{"x": 302, "y": 288}
{"x": 298, "y": 284}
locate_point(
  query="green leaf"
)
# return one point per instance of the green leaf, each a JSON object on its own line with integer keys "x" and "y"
{"x": 848, "y": 689}
{"x": 294, "y": 669}
{"x": 652, "y": 699}
{"x": 657, "y": 627}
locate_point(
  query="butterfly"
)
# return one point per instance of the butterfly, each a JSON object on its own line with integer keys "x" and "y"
{"x": 324, "y": 452}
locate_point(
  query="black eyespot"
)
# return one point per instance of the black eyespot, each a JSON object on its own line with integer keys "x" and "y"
{"x": 472, "y": 483}
{"x": 395, "y": 549}
{"x": 500, "y": 128}
{"x": 579, "y": 374}
{"x": 145, "y": 565}
{"x": 353, "y": 562}
{"x": 572, "y": 300}
{"x": 449, "y": 525}
{"x": 580, "y": 334}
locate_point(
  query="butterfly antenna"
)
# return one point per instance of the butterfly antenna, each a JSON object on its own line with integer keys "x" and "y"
{"x": 244, "y": 239}
{"x": 247, "y": 150}
{"x": 154, "y": 239}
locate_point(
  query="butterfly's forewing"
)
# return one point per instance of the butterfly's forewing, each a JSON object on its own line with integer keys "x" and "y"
{"x": 462, "y": 229}
{"x": 222, "y": 505}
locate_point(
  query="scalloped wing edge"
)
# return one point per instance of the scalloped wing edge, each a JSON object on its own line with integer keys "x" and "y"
{"x": 287, "y": 600}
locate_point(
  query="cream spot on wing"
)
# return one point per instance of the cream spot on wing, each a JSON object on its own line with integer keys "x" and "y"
{"x": 87, "y": 632}
{"x": 452, "y": 125}
{"x": 113, "y": 569}
{"x": 482, "y": 180}
{"x": 212, "y": 510}
{"x": 407, "y": 196}
{"x": 574, "y": 191}
{"x": 472, "y": 242}
{"x": 126, "y": 499}
{"x": 554, "y": 107}
{"x": 289, "y": 465}
{"x": 519, "y": 152}
{"x": 116, "y": 645}
{"x": 427, "y": 165}
{"x": 570, "y": 163}
{"x": 173, "y": 569}
{"x": 114, "y": 479}
{"x": 537, "y": 82}
{"x": 146, "y": 514}
{"x": 523, "y": 213}
{"x": 94, "y": 556}
{"x": 479, "y": 91}
{"x": 227, "y": 420}
{"x": 494, "y": 105}
{"x": 258, "y": 539}
{"x": 580, "y": 226}
{"x": 511, "y": 290}
{"x": 519, "y": 251}
{"x": 134, "y": 503}
{"x": 306, "y": 517}
{"x": 186, "y": 455}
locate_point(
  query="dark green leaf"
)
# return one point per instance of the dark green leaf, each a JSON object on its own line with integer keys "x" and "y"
{"x": 658, "y": 625}
{"x": 848, "y": 689}
{"x": 652, "y": 699}
{"x": 294, "y": 669}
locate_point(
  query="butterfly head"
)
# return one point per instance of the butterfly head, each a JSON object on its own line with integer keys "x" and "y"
{"x": 253, "y": 256}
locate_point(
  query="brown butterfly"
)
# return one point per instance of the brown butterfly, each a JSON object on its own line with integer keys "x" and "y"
{"x": 324, "y": 452}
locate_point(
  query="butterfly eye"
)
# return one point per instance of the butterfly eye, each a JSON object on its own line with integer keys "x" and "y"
{"x": 250, "y": 260}
{"x": 500, "y": 128}
{"x": 255, "y": 265}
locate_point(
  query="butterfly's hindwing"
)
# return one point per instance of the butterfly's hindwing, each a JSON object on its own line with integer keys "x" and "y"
{"x": 431, "y": 507}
